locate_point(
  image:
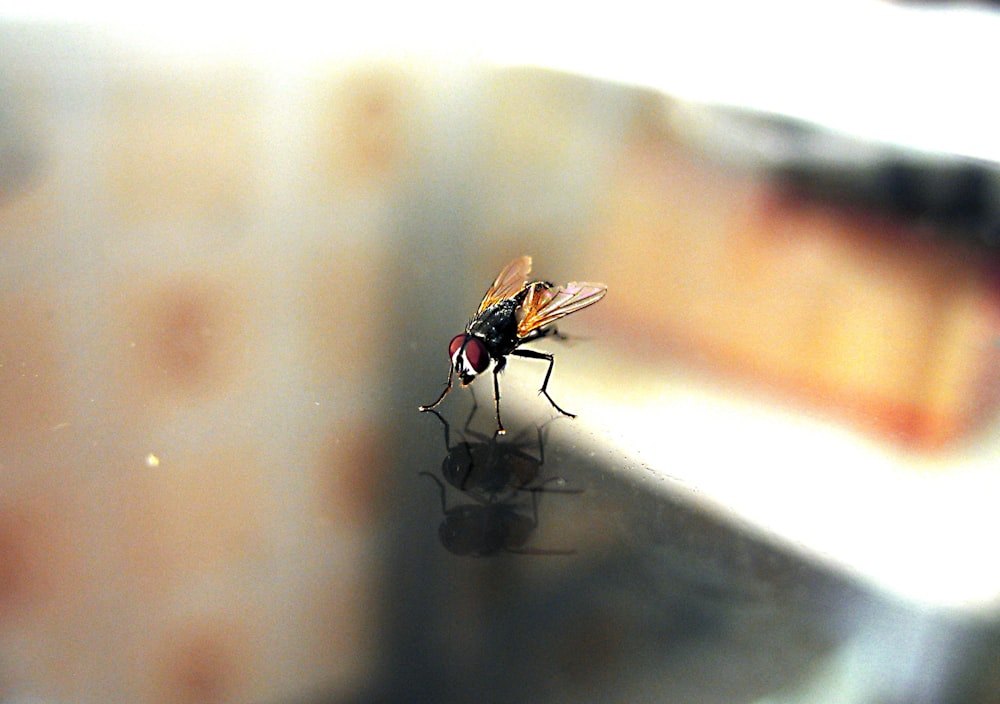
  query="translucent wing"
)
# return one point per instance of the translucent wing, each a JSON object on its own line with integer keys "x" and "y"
{"x": 510, "y": 282}
{"x": 543, "y": 305}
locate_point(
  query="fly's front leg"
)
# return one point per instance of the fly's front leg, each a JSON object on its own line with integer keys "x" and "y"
{"x": 532, "y": 354}
{"x": 451, "y": 372}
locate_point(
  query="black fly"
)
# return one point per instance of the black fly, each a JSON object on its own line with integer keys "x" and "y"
{"x": 514, "y": 311}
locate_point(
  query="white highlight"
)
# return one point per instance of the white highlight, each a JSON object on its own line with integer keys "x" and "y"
{"x": 913, "y": 76}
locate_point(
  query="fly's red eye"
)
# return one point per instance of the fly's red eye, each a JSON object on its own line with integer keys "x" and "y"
{"x": 456, "y": 344}
{"x": 475, "y": 352}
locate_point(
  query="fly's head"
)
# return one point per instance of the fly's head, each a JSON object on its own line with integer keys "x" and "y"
{"x": 469, "y": 357}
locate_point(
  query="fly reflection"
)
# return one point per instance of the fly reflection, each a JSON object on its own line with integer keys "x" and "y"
{"x": 500, "y": 481}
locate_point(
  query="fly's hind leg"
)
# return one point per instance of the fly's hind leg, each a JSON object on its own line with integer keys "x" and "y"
{"x": 532, "y": 354}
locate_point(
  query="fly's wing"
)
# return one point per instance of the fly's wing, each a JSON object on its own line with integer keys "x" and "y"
{"x": 510, "y": 282}
{"x": 543, "y": 305}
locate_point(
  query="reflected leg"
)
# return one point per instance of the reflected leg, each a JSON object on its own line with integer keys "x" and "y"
{"x": 451, "y": 372}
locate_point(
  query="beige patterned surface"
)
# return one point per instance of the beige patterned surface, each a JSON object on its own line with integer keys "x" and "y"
{"x": 198, "y": 266}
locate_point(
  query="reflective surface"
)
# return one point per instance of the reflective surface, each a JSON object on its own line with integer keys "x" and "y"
{"x": 619, "y": 588}
{"x": 226, "y": 285}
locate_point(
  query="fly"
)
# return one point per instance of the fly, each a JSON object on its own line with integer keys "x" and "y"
{"x": 513, "y": 313}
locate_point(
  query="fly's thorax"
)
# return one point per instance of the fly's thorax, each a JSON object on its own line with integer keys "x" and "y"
{"x": 497, "y": 326}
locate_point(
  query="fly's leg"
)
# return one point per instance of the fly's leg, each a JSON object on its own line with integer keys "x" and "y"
{"x": 501, "y": 363}
{"x": 451, "y": 372}
{"x": 532, "y": 354}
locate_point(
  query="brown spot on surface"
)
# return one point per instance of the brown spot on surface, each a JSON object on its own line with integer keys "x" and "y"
{"x": 205, "y": 664}
{"x": 188, "y": 334}
{"x": 184, "y": 336}
{"x": 363, "y": 126}
{"x": 18, "y": 568}
{"x": 36, "y": 551}
{"x": 351, "y": 472}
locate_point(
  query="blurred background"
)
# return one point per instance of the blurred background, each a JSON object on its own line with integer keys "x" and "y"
{"x": 234, "y": 245}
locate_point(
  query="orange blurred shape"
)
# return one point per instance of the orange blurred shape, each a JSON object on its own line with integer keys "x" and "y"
{"x": 879, "y": 321}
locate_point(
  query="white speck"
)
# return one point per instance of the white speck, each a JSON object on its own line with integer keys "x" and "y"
{"x": 152, "y": 460}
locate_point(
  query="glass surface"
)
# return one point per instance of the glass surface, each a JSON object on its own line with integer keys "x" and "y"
{"x": 227, "y": 282}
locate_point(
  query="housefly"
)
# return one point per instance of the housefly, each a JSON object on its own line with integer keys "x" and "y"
{"x": 514, "y": 311}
